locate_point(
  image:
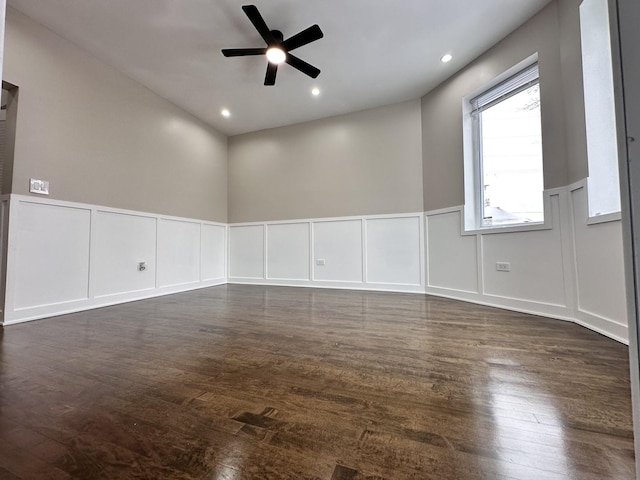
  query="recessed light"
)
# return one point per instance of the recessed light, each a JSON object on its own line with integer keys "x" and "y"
{"x": 315, "y": 91}
{"x": 225, "y": 113}
{"x": 446, "y": 58}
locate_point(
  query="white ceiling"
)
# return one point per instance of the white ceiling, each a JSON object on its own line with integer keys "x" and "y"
{"x": 374, "y": 52}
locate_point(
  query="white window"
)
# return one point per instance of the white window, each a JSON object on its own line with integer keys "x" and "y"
{"x": 600, "y": 117}
{"x": 507, "y": 152}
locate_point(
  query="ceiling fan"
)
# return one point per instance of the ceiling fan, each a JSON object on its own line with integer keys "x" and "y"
{"x": 277, "y": 49}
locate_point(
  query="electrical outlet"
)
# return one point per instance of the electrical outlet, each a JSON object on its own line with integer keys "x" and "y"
{"x": 320, "y": 262}
{"x": 39, "y": 186}
{"x": 503, "y": 266}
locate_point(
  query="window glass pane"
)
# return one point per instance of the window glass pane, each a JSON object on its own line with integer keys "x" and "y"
{"x": 511, "y": 149}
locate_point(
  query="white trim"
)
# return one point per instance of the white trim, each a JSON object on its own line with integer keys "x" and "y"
{"x": 123, "y": 298}
{"x": 595, "y": 219}
{"x": 472, "y": 155}
{"x": 480, "y": 262}
{"x": 329, "y": 219}
{"x": 363, "y": 239}
{"x": 102, "y": 208}
{"x": 509, "y": 299}
{"x": 265, "y": 252}
{"x": 527, "y": 62}
{"x": 527, "y": 307}
{"x": 604, "y": 218}
{"x": 423, "y": 241}
{"x": 521, "y": 227}
{"x": 518, "y": 227}
{"x": 567, "y": 242}
{"x": 425, "y": 251}
{"x": 109, "y": 295}
{"x": 603, "y": 326}
{"x": 312, "y": 253}
{"x": 332, "y": 285}
{"x": 524, "y": 227}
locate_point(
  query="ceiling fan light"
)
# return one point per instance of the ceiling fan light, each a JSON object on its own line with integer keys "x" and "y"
{"x": 276, "y": 55}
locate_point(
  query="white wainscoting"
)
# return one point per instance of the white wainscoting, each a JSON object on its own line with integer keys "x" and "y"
{"x": 64, "y": 257}
{"x": 600, "y": 283}
{"x": 571, "y": 271}
{"x": 381, "y": 252}
{"x": 246, "y": 252}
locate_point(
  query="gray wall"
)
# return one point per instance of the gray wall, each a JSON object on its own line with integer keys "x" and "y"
{"x": 572, "y": 89}
{"x": 362, "y": 163}
{"x": 101, "y": 138}
{"x": 554, "y": 34}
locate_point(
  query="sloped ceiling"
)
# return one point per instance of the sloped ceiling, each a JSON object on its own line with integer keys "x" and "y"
{"x": 375, "y": 52}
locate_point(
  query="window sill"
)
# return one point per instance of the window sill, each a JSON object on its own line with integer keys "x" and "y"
{"x": 522, "y": 227}
{"x": 604, "y": 218}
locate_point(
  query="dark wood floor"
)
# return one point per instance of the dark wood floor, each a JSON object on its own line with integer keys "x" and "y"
{"x": 245, "y": 382}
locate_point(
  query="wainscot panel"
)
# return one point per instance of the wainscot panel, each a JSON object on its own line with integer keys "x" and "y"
{"x": 178, "y": 252}
{"x": 394, "y": 251}
{"x": 120, "y": 243}
{"x": 246, "y": 252}
{"x": 338, "y": 251}
{"x": 288, "y": 250}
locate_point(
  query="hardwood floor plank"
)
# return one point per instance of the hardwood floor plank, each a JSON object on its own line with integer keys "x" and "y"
{"x": 291, "y": 383}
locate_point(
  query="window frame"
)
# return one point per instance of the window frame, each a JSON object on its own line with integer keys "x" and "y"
{"x": 472, "y": 142}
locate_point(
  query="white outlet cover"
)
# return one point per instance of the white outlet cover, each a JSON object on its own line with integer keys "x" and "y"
{"x": 320, "y": 262}
{"x": 39, "y": 186}
{"x": 503, "y": 266}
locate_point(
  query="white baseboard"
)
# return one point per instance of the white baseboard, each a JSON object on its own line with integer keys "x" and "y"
{"x": 331, "y": 285}
{"x": 38, "y": 313}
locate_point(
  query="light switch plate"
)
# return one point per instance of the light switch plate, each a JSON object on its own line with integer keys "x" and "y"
{"x": 39, "y": 186}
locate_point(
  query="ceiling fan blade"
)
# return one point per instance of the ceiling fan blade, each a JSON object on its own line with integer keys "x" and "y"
{"x": 303, "y": 66}
{"x": 242, "y": 52}
{"x": 308, "y": 35}
{"x": 270, "y": 77}
{"x": 258, "y": 22}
